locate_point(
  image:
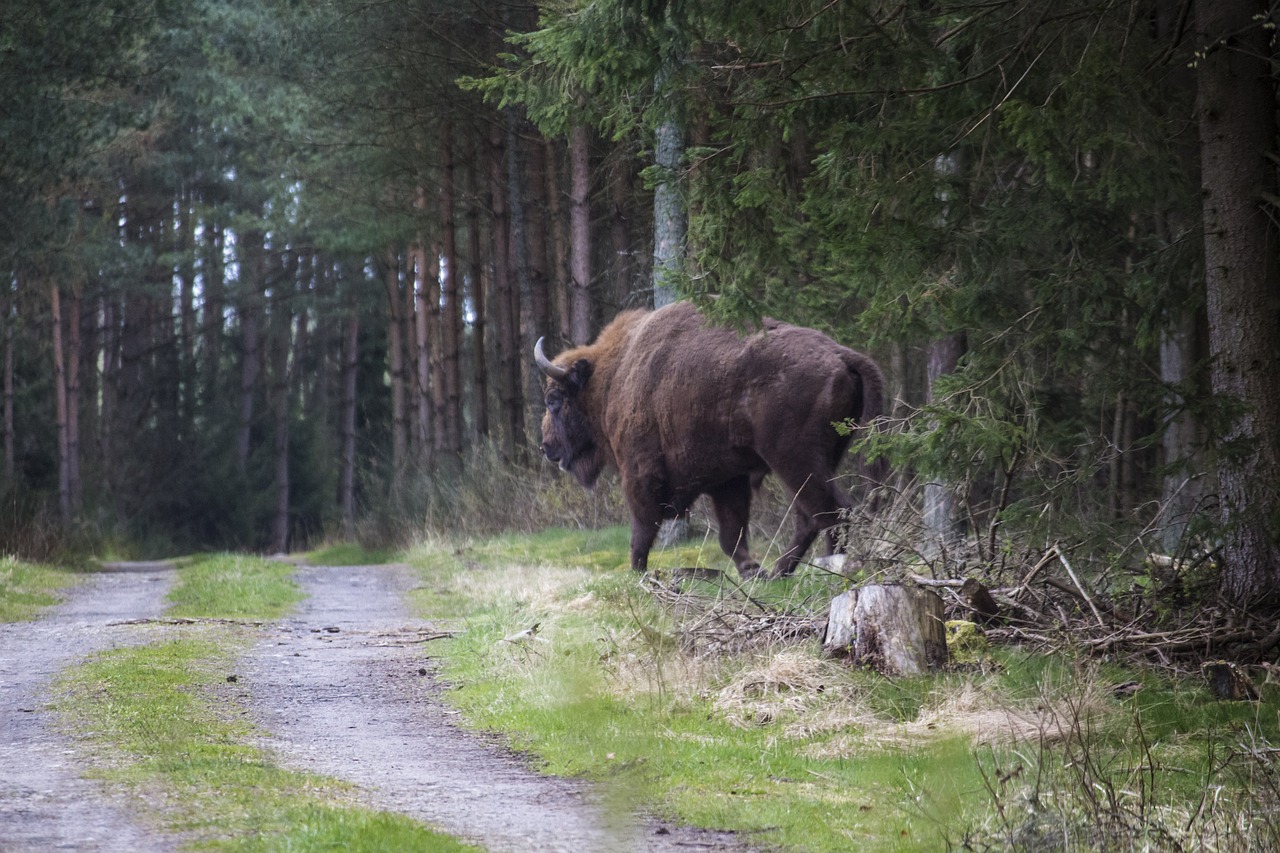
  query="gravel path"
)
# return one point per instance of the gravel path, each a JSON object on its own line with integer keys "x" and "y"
{"x": 345, "y": 690}
{"x": 45, "y": 804}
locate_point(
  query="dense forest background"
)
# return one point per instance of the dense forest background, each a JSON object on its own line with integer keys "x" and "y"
{"x": 273, "y": 270}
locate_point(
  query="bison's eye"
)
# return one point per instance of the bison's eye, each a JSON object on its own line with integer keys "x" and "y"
{"x": 554, "y": 401}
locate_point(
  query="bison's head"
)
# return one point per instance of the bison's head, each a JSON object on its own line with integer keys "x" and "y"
{"x": 567, "y": 435}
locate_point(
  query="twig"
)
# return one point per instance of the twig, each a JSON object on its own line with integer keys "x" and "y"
{"x": 923, "y": 581}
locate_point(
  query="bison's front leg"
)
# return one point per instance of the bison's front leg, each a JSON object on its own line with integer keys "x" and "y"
{"x": 646, "y": 517}
{"x": 643, "y": 532}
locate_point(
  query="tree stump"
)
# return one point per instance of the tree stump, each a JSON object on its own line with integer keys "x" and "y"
{"x": 897, "y": 630}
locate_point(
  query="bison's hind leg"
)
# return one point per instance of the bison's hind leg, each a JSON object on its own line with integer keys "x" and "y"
{"x": 731, "y": 502}
{"x": 817, "y": 505}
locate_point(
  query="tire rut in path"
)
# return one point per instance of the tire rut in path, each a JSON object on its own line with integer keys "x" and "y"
{"x": 45, "y": 804}
{"x": 342, "y": 690}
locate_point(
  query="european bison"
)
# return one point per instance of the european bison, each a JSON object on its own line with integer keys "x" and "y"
{"x": 682, "y": 408}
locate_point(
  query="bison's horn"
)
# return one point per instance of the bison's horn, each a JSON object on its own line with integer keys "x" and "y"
{"x": 546, "y": 365}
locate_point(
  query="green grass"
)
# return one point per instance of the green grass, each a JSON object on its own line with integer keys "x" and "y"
{"x": 811, "y": 755}
{"x": 173, "y": 724}
{"x": 233, "y": 586}
{"x": 27, "y": 588}
{"x": 350, "y": 554}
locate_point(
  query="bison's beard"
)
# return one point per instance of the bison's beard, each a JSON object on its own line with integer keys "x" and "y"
{"x": 586, "y": 467}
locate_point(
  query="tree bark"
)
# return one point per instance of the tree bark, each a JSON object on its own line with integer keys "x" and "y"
{"x": 580, "y": 236}
{"x": 897, "y": 630}
{"x": 282, "y": 323}
{"x": 451, "y": 304}
{"x": 10, "y": 323}
{"x": 75, "y": 488}
{"x": 350, "y": 374}
{"x": 499, "y": 302}
{"x": 249, "y": 310}
{"x": 670, "y": 219}
{"x": 395, "y": 364}
{"x": 480, "y": 396}
{"x": 60, "y": 407}
{"x": 940, "y": 517}
{"x": 560, "y": 275}
{"x": 521, "y": 343}
{"x": 1236, "y": 103}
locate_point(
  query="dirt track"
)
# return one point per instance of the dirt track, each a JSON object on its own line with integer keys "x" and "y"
{"x": 45, "y": 803}
{"x": 341, "y": 688}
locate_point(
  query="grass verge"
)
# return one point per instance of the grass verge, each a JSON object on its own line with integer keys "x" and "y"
{"x": 170, "y": 723}
{"x": 26, "y": 588}
{"x": 695, "y": 709}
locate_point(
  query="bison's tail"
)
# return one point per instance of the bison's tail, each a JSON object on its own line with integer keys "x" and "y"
{"x": 871, "y": 380}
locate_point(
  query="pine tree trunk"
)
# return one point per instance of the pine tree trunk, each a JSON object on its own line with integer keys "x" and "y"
{"x": 395, "y": 364}
{"x": 280, "y": 346}
{"x": 451, "y": 320}
{"x": 622, "y": 270}
{"x": 521, "y": 342}
{"x": 1236, "y": 102}
{"x": 350, "y": 374}
{"x": 560, "y": 275}
{"x": 670, "y": 221}
{"x": 580, "y": 236}
{"x": 499, "y": 301}
{"x": 75, "y": 488}
{"x": 60, "y": 408}
{"x": 1180, "y": 491}
{"x": 10, "y": 319}
{"x": 252, "y": 271}
{"x": 941, "y": 517}
{"x": 213, "y": 290}
{"x": 480, "y": 395}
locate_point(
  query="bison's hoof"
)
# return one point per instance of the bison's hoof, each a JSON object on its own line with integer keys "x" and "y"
{"x": 751, "y": 570}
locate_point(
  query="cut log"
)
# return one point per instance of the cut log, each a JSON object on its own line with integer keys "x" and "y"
{"x": 897, "y": 630}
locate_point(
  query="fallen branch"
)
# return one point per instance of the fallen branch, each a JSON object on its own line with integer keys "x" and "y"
{"x": 1070, "y": 571}
{"x": 189, "y": 621}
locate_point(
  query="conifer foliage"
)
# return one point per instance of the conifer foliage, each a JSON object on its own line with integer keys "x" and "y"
{"x": 274, "y": 269}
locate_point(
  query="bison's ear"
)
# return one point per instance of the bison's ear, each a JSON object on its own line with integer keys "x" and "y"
{"x": 579, "y": 373}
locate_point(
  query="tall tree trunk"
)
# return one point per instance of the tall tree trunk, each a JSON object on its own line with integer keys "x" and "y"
{"x": 350, "y": 374}
{"x": 451, "y": 304}
{"x": 10, "y": 323}
{"x": 622, "y": 269}
{"x": 187, "y": 311}
{"x": 75, "y": 488}
{"x": 941, "y": 517}
{"x": 395, "y": 364}
{"x": 560, "y": 275}
{"x": 670, "y": 218}
{"x": 212, "y": 288}
{"x": 477, "y": 277}
{"x": 424, "y": 433}
{"x": 580, "y": 236}
{"x": 501, "y": 300}
{"x": 281, "y": 344}
{"x": 60, "y": 408}
{"x": 521, "y": 343}
{"x": 253, "y": 272}
{"x": 1180, "y": 492}
{"x": 1236, "y": 104}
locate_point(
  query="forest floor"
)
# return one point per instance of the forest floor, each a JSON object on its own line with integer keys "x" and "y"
{"x": 344, "y": 687}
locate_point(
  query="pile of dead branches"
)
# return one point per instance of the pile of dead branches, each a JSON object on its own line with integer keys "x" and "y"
{"x": 1054, "y": 607}
{"x": 730, "y": 622}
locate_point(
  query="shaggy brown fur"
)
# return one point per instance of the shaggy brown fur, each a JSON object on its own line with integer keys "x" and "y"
{"x": 684, "y": 409}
